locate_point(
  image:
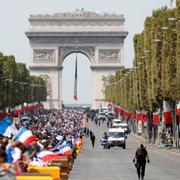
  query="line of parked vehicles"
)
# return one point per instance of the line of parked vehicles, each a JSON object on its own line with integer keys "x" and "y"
{"x": 116, "y": 135}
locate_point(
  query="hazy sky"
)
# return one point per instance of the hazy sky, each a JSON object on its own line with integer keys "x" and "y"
{"x": 14, "y": 22}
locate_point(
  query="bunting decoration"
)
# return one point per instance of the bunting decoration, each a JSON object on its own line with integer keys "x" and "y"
{"x": 167, "y": 113}
{"x": 178, "y": 110}
{"x": 156, "y": 118}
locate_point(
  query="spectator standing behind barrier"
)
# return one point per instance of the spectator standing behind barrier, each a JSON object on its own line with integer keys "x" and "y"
{"x": 93, "y": 138}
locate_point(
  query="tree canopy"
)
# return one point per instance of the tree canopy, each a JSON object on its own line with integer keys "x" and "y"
{"x": 16, "y": 84}
{"x": 155, "y": 75}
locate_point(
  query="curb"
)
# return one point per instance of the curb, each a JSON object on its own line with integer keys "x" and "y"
{"x": 139, "y": 138}
{"x": 143, "y": 140}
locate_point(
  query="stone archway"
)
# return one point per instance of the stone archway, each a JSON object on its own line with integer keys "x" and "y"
{"x": 98, "y": 36}
{"x": 87, "y": 51}
{"x": 84, "y": 81}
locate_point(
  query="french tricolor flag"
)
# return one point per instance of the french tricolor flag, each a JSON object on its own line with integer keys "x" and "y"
{"x": 75, "y": 81}
{"x": 64, "y": 150}
{"x": 25, "y": 136}
{"x": 167, "y": 113}
{"x": 156, "y": 118}
{"x": 46, "y": 155}
{"x": 178, "y": 110}
{"x": 7, "y": 127}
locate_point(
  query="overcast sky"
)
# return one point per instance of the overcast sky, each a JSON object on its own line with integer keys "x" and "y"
{"x": 14, "y": 22}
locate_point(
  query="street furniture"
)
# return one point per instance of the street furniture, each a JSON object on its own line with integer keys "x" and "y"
{"x": 53, "y": 170}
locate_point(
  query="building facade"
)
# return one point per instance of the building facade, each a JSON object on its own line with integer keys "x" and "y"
{"x": 53, "y": 37}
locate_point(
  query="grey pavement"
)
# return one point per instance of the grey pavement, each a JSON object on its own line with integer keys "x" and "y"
{"x": 116, "y": 163}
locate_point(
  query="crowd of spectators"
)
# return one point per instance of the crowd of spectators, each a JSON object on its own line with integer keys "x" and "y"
{"x": 57, "y": 133}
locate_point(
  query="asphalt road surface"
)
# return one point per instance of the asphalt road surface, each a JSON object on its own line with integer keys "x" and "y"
{"x": 116, "y": 163}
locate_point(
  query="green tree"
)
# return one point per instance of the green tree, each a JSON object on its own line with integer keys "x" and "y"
{"x": 1, "y": 81}
{"x": 9, "y": 73}
{"x": 177, "y": 90}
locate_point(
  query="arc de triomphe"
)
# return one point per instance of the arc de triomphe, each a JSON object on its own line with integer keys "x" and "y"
{"x": 53, "y": 37}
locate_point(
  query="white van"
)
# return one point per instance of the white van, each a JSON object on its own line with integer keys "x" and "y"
{"x": 116, "y": 137}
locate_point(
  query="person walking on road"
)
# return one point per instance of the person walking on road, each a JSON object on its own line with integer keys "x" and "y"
{"x": 87, "y": 132}
{"x": 106, "y": 140}
{"x": 108, "y": 123}
{"x": 93, "y": 138}
{"x": 99, "y": 122}
{"x": 141, "y": 156}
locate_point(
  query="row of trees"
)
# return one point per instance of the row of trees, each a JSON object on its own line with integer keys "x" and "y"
{"x": 16, "y": 84}
{"x": 155, "y": 75}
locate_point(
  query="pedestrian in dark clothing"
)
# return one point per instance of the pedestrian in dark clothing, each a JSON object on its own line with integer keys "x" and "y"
{"x": 106, "y": 139}
{"x": 141, "y": 156}
{"x": 93, "y": 138}
{"x": 99, "y": 122}
{"x": 96, "y": 121}
{"x": 108, "y": 123}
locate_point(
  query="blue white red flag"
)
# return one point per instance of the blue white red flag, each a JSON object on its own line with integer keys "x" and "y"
{"x": 7, "y": 127}
{"x": 25, "y": 136}
{"x": 178, "y": 110}
{"x": 63, "y": 150}
{"x": 11, "y": 130}
{"x": 167, "y": 113}
{"x": 156, "y": 117}
{"x": 75, "y": 81}
{"x": 47, "y": 155}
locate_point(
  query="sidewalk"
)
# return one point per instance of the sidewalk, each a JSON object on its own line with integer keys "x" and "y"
{"x": 141, "y": 139}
